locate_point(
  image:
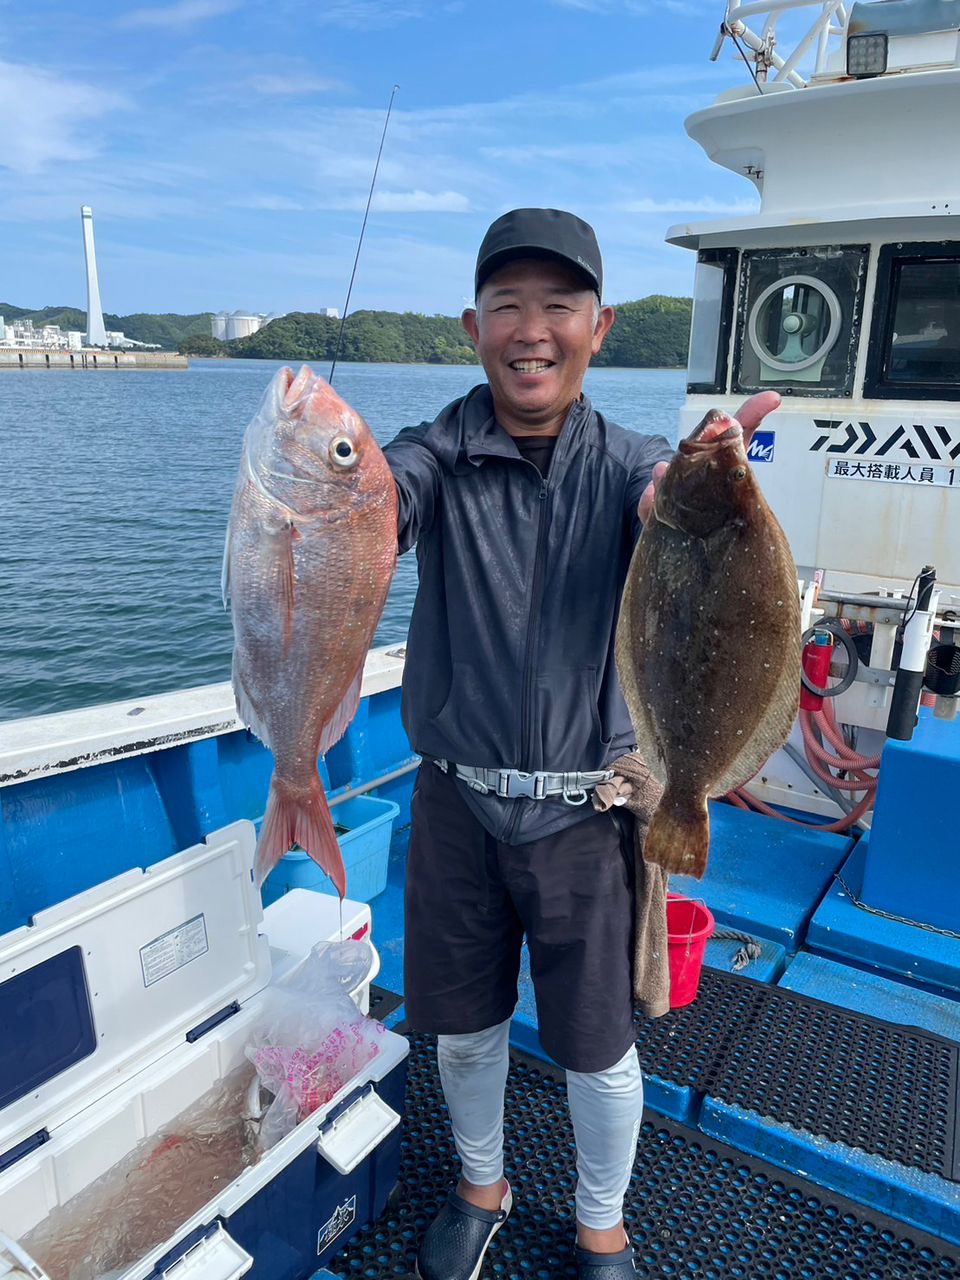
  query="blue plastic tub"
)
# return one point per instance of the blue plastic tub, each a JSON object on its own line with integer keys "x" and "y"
{"x": 365, "y": 842}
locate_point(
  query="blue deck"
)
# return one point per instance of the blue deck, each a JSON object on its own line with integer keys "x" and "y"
{"x": 776, "y": 882}
{"x": 772, "y": 880}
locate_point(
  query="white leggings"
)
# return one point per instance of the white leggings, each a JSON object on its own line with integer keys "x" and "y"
{"x": 606, "y": 1108}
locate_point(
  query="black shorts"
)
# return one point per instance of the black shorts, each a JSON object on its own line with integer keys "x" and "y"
{"x": 469, "y": 901}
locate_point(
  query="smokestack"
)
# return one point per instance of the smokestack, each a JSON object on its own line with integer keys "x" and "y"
{"x": 96, "y": 335}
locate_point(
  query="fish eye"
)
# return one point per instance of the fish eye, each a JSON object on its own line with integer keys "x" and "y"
{"x": 342, "y": 452}
{"x": 739, "y": 472}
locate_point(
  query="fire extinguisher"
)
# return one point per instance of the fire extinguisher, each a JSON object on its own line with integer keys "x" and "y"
{"x": 816, "y": 658}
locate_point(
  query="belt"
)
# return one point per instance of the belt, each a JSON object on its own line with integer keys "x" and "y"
{"x": 511, "y": 784}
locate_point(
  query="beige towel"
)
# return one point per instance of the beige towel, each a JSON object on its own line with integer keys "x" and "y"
{"x": 635, "y": 787}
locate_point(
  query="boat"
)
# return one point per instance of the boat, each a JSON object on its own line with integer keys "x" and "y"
{"x": 802, "y": 1110}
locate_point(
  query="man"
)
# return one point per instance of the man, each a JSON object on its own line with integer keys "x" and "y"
{"x": 524, "y": 503}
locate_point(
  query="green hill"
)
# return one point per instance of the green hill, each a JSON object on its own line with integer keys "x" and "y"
{"x": 650, "y": 333}
{"x": 168, "y": 331}
{"x": 388, "y": 336}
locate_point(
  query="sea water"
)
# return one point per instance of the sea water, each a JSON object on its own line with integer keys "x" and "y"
{"x": 114, "y": 498}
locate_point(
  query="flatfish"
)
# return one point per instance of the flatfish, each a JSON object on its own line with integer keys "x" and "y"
{"x": 708, "y": 638}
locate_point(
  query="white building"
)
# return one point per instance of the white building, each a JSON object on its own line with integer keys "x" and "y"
{"x": 230, "y": 325}
{"x": 21, "y": 333}
{"x": 50, "y": 337}
{"x": 241, "y": 325}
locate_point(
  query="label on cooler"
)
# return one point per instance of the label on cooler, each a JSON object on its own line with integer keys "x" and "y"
{"x": 336, "y": 1224}
{"x": 173, "y": 949}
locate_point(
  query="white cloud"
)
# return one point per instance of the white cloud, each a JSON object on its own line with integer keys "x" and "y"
{"x": 420, "y": 202}
{"x": 363, "y": 14}
{"x": 268, "y": 203}
{"x": 291, "y": 86}
{"x": 182, "y": 14}
{"x": 383, "y": 202}
{"x": 629, "y": 7}
{"x": 691, "y": 204}
{"x": 636, "y": 8}
{"x": 44, "y": 117}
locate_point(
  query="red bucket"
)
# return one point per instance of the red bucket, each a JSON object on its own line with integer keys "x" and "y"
{"x": 689, "y": 925}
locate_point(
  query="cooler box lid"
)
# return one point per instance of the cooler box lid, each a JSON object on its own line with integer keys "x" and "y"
{"x": 107, "y": 982}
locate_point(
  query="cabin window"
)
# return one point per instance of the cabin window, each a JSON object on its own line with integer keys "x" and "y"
{"x": 916, "y": 323}
{"x": 798, "y": 321}
{"x": 713, "y": 294}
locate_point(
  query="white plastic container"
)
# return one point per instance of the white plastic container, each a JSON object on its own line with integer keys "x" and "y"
{"x": 124, "y": 1005}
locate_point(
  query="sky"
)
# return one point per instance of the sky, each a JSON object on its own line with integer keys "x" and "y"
{"x": 227, "y": 146}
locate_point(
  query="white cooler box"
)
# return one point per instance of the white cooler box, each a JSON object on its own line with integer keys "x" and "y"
{"x": 121, "y": 1007}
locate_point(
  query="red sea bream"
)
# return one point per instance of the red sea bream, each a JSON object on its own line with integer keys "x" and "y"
{"x": 311, "y": 550}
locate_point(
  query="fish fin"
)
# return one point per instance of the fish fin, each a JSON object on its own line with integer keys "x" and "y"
{"x": 287, "y": 581}
{"x": 298, "y": 816}
{"x": 336, "y": 726}
{"x": 679, "y": 836}
{"x": 225, "y": 568}
{"x": 246, "y": 710}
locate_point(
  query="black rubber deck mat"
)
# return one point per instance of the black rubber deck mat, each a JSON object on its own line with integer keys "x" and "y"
{"x": 695, "y": 1208}
{"x": 889, "y": 1090}
{"x": 383, "y": 1002}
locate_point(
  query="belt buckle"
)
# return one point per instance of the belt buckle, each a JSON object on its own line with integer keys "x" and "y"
{"x": 514, "y": 783}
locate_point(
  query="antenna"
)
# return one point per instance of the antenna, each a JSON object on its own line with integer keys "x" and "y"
{"x": 353, "y": 274}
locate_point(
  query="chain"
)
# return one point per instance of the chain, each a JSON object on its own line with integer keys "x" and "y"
{"x": 886, "y": 915}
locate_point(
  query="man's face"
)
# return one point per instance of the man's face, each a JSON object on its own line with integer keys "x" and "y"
{"x": 535, "y": 328}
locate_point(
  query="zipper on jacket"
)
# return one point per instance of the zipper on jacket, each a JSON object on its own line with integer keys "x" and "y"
{"x": 533, "y": 635}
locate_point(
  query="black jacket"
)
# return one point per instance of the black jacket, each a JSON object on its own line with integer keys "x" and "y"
{"x": 510, "y": 659}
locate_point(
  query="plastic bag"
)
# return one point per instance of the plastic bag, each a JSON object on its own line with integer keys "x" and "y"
{"x": 144, "y": 1198}
{"x": 311, "y": 1039}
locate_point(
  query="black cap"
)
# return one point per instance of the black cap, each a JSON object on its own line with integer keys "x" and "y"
{"x": 541, "y": 233}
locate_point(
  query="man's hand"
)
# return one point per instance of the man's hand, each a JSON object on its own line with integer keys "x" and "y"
{"x": 750, "y": 414}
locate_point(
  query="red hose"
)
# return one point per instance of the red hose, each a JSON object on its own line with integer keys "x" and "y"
{"x": 743, "y": 799}
{"x": 821, "y": 760}
{"x": 827, "y": 723}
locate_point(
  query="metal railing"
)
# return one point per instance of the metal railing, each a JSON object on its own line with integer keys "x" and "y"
{"x": 759, "y": 48}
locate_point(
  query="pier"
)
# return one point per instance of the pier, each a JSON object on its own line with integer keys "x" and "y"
{"x": 40, "y": 358}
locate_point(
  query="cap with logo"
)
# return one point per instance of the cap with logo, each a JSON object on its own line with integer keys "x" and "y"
{"x": 541, "y": 233}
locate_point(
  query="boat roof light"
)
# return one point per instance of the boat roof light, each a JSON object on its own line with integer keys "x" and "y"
{"x": 873, "y": 23}
{"x": 867, "y": 54}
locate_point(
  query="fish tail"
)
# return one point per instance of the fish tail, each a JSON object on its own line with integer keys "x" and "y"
{"x": 679, "y": 836}
{"x": 298, "y": 815}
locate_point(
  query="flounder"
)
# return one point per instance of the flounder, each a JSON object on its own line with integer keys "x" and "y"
{"x": 708, "y": 638}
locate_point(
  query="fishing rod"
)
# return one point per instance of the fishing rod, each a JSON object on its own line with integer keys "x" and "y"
{"x": 353, "y": 274}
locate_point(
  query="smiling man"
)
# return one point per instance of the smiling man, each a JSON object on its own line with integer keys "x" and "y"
{"x": 524, "y": 503}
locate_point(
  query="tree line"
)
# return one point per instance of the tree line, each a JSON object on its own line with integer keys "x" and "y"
{"x": 649, "y": 333}
{"x": 166, "y": 331}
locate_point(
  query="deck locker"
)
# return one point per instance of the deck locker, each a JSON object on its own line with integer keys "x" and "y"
{"x": 123, "y": 1006}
